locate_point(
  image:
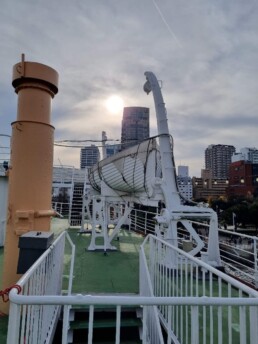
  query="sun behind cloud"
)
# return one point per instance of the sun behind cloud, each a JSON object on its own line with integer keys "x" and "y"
{"x": 114, "y": 104}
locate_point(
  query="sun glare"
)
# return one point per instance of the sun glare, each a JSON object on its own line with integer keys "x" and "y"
{"x": 115, "y": 104}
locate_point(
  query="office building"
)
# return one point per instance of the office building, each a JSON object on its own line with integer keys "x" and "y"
{"x": 135, "y": 126}
{"x": 208, "y": 189}
{"x": 112, "y": 149}
{"x": 183, "y": 171}
{"x": 218, "y": 159}
{"x": 243, "y": 179}
{"x": 89, "y": 156}
{"x": 246, "y": 154}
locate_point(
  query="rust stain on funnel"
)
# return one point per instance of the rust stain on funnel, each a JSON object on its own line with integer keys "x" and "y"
{"x": 31, "y": 165}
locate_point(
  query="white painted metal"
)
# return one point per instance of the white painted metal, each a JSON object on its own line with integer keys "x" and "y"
{"x": 86, "y": 213}
{"x": 91, "y": 317}
{"x": 100, "y": 208}
{"x": 168, "y": 185}
{"x": 174, "y": 211}
{"x": 36, "y": 323}
{"x": 238, "y": 252}
{"x": 194, "y": 279}
{"x": 134, "y": 175}
{"x": 152, "y": 328}
{"x": 142, "y": 221}
{"x": 106, "y": 211}
{"x": 125, "y": 172}
{"x": 122, "y": 300}
{"x": 61, "y": 208}
{"x": 184, "y": 297}
{"x": 118, "y": 323}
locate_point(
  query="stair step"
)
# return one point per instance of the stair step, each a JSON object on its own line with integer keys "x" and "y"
{"x": 135, "y": 341}
{"x": 105, "y": 323}
{"x": 85, "y": 308}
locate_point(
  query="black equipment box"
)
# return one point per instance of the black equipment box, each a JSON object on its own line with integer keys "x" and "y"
{"x": 32, "y": 245}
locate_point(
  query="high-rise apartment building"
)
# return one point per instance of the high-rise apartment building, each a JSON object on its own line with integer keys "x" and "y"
{"x": 135, "y": 126}
{"x": 218, "y": 159}
{"x": 89, "y": 156}
{"x": 184, "y": 182}
{"x": 183, "y": 171}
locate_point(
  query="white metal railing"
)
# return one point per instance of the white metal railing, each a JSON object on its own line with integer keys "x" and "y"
{"x": 143, "y": 221}
{"x": 195, "y": 302}
{"x": 34, "y": 323}
{"x": 62, "y": 208}
{"x": 195, "y": 308}
{"x": 212, "y": 307}
{"x": 151, "y": 328}
{"x": 238, "y": 252}
{"x": 239, "y": 255}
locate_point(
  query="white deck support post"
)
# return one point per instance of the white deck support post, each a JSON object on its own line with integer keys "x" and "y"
{"x": 213, "y": 243}
{"x": 99, "y": 219}
{"x": 85, "y": 201}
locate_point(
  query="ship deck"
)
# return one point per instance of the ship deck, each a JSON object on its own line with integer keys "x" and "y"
{"x": 94, "y": 272}
{"x": 115, "y": 272}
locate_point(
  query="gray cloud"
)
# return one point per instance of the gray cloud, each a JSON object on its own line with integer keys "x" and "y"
{"x": 205, "y": 52}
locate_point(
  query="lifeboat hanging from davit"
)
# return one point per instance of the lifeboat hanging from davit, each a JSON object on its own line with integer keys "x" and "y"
{"x": 129, "y": 171}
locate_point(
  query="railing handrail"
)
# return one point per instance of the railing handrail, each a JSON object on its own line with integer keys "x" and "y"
{"x": 80, "y": 299}
{"x": 24, "y": 278}
{"x": 206, "y": 266}
{"x": 239, "y": 234}
{"x": 136, "y": 300}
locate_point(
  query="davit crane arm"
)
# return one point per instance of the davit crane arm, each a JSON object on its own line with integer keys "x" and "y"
{"x": 175, "y": 212}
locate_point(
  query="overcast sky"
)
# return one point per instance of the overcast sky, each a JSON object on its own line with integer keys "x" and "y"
{"x": 204, "y": 51}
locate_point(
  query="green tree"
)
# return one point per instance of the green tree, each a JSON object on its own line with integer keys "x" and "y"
{"x": 253, "y": 214}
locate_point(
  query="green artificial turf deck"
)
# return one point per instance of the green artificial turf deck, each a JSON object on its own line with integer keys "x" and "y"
{"x": 115, "y": 272}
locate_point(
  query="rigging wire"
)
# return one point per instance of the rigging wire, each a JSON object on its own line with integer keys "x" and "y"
{"x": 60, "y": 141}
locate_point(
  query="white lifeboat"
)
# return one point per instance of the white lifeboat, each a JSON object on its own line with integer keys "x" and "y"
{"x": 129, "y": 171}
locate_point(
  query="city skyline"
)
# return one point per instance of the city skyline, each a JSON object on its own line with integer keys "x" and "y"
{"x": 204, "y": 52}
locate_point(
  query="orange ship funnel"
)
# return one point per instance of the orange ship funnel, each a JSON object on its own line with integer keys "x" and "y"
{"x": 31, "y": 165}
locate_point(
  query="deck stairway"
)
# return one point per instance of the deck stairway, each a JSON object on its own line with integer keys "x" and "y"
{"x": 76, "y": 204}
{"x": 104, "y": 325}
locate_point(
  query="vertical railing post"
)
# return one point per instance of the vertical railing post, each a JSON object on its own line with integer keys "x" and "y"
{"x": 90, "y": 333}
{"x": 118, "y": 323}
{"x": 253, "y": 314}
{"x": 13, "y": 324}
{"x": 255, "y": 263}
{"x": 144, "y": 324}
{"x": 194, "y": 325}
{"x": 145, "y": 222}
{"x": 65, "y": 328}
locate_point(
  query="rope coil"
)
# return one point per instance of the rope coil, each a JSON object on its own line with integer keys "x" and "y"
{"x": 5, "y": 293}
